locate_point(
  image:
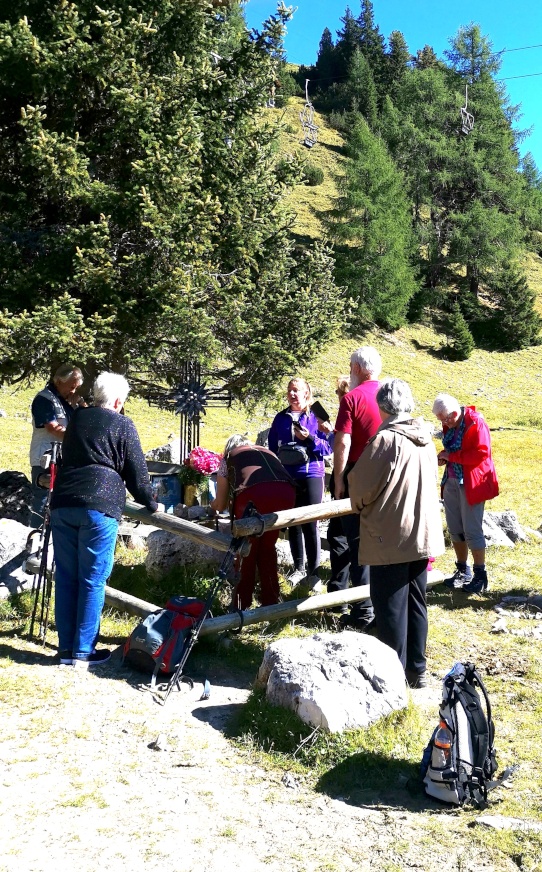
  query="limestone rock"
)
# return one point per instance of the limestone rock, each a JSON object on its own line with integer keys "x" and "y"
{"x": 13, "y": 536}
{"x": 337, "y": 682}
{"x": 493, "y": 533}
{"x": 167, "y": 550}
{"x": 168, "y": 453}
{"x": 509, "y": 524}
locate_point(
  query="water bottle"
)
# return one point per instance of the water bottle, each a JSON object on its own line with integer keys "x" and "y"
{"x": 441, "y": 756}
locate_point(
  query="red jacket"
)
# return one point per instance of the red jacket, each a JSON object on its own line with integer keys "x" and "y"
{"x": 479, "y": 476}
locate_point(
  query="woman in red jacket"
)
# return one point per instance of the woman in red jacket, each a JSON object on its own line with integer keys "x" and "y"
{"x": 468, "y": 481}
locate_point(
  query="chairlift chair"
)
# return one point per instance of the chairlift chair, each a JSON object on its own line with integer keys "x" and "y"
{"x": 310, "y": 129}
{"x": 467, "y": 120}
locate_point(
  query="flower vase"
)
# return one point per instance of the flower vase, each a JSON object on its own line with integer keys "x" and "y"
{"x": 190, "y": 495}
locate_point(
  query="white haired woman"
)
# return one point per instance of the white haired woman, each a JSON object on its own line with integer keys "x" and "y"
{"x": 469, "y": 480}
{"x": 393, "y": 487}
{"x": 251, "y": 473}
{"x": 101, "y": 456}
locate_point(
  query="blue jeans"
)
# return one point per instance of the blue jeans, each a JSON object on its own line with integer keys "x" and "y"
{"x": 84, "y": 546}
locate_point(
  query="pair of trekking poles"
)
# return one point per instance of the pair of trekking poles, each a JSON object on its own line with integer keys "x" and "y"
{"x": 42, "y": 585}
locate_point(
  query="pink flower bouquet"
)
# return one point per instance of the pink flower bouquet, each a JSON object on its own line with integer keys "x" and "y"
{"x": 203, "y": 460}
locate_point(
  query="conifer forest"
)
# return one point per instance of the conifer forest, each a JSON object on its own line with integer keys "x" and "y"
{"x": 144, "y": 213}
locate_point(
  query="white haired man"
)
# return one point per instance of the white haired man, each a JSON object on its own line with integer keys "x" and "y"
{"x": 357, "y": 422}
{"x": 52, "y": 408}
{"x": 469, "y": 480}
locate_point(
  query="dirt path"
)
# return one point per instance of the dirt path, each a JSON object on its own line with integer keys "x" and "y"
{"x": 82, "y": 788}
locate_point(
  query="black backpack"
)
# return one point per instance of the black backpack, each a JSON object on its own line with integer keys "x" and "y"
{"x": 459, "y": 762}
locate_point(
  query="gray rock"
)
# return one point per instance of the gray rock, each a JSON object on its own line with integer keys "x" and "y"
{"x": 13, "y": 536}
{"x": 509, "y": 524}
{"x": 493, "y": 533}
{"x": 500, "y": 822}
{"x": 168, "y": 453}
{"x": 336, "y": 682}
{"x": 263, "y": 438}
{"x": 3, "y": 414}
{"x": 167, "y": 550}
{"x": 15, "y": 496}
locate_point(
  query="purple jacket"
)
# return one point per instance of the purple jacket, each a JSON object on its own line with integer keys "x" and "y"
{"x": 316, "y": 444}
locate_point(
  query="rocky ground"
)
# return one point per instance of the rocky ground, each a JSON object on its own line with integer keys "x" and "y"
{"x": 84, "y": 787}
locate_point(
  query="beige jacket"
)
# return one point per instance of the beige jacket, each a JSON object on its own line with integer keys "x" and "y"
{"x": 394, "y": 488}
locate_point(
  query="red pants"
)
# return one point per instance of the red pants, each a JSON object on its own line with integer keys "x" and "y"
{"x": 272, "y": 497}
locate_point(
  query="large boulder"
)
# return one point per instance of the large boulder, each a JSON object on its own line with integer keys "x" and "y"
{"x": 508, "y": 522}
{"x": 337, "y": 682}
{"x": 493, "y": 533}
{"x": 166, "y": 550}
{"x": 13, "y": 537}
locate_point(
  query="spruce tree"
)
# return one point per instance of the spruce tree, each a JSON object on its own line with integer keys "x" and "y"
{"x": 517, "y": 323}
{"x": 461, "y": 341}
{"x": 372, "y": 221}
{"x": 142, "y": 220}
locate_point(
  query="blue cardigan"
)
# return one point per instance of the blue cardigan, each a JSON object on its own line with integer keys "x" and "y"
{"x": 316, "y": 444}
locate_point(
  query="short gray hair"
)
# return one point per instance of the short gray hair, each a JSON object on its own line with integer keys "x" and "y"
{"x": 234, "y": 442}
{"x": 394, "y": 396}
{"x": 108, "y": 387}
{"x": 368, "y": 359}
{"x": 445, "y": 404}
{"x": 66, "y": 372}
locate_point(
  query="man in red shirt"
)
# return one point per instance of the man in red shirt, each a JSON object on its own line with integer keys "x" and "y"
{"x": 357, "y": 422}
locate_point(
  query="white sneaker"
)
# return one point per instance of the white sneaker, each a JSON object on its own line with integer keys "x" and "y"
{"x": 296, "y": 577}
{"x": 314, "y": 584}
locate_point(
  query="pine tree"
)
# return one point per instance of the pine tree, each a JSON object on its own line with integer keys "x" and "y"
{"x": 142, "y": 220}
{"x": 461, "y": 341}
{"x": 326, "y": 60}
{"x": 372, "y": 220}
{"x": 517, "y": 324}
{"x": 425, "y": 58}
{"x": 372, "y": 45}
{"x": 348, "y": 41}
{"x": 397, "y": 61}
{"x": 359, "y": 91}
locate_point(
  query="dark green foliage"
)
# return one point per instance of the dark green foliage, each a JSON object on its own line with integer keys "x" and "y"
{"x": 460, "y": 337}
{"x": 516, "y": 323}
{"x": 141, "y": 213}
{"x": 372, "y": 220}
{"x": 313, "y": 174}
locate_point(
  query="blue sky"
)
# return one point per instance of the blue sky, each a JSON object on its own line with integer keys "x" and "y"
{"x": 507, "y": 25}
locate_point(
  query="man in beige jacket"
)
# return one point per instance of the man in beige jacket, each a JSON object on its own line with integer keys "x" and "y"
{"x": 394, "y": 488}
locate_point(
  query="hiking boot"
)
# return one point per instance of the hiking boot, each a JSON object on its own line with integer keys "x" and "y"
{"x": 296, "y": 577}
{"x": 416, "y": 680}
{"x": 65, "y": 658}
{"x": 459, "y": 578}
{"x": 351, "y": 622}
{"x": 478, "y": 583}
{"x": 88, "y": 661}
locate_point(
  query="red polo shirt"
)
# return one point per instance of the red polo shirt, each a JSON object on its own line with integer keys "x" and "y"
{"x": 359, "y": 417}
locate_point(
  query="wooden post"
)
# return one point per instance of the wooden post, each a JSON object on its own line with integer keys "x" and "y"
{"x": 292, "y": 517}
{"x": 178, "y": 526}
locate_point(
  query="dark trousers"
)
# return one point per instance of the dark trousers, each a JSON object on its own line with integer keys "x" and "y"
{"x": 398, "y": 595}
{"x": 308, "y": 492}
{"x": 267, "y": 497}
{"x": 339, "y": 556}
{"x": 346, "y": 542}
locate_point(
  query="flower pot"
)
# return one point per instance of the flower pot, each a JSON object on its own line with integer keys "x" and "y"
{"x": 190, "y": 495}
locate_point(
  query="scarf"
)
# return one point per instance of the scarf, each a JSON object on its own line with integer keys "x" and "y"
{"x": 452, "y": 441}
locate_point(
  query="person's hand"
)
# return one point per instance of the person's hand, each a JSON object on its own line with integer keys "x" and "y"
{"x": 443, "y": 457}
{"x": 325, "y": 426}
{"x": 339, "y": 487}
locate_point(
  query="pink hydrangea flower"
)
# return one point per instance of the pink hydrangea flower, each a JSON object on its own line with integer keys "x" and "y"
{"x": 203, "y": 460}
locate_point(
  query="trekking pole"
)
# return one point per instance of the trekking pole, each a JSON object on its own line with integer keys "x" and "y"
{"x": 44, "y": 585}
{"x": 237, "y": 546}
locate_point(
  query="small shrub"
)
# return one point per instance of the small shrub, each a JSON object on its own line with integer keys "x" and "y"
{"x": 313, "y": 175}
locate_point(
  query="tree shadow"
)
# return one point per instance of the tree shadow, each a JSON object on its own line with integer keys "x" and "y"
{"x": 338, "y": 149}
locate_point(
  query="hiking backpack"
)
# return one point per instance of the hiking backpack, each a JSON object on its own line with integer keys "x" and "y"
{"x": 459, "y": 762}
{"x": 157, "y": 644}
